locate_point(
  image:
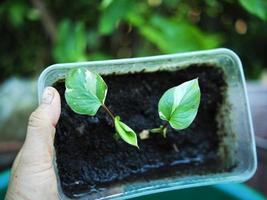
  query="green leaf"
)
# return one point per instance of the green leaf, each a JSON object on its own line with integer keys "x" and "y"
{"x": 85, "y": 91}
{"x": 179, "y": 104}
{"x": 125, "y": 132}
{"x": 112, "y": 12}
{"x": 71, "y": 42}
{"x": 171, "y": 36}
{"x": 256, "y": 7}
{"x": 105, "y": 3}
{"x": 16, "y": 12}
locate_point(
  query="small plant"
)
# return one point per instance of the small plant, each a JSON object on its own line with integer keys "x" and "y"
{"x": 86, "y": 92}
{"x": 178, "y": 106}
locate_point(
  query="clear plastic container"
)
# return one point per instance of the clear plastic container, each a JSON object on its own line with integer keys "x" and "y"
{"x": 239, "y": 140}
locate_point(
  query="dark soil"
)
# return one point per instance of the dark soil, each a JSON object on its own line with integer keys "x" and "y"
{"x": 89, "y": 158}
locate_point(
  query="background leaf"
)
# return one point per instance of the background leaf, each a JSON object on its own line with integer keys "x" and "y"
{"x": 112, "y": 13}
{"x": 256, "y": 7}
{"x": 85, "y": 91}
{"x": 179, "y": 104}
{"x": 171, "y": 36}
{"x": 71, "y": 42}
{"x": 125, "y": 132}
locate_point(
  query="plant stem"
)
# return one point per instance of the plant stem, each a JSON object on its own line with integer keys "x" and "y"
{"x": 47, "y": 19}
{"x": 162, "y": 129}
{"x": 108, "y": 111}
{"x": 165, "y": 125}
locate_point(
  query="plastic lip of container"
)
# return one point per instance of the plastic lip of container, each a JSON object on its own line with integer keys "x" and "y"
{"x": 238, "y": 117}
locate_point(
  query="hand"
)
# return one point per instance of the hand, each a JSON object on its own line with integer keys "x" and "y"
{"x": 32, "y": 174}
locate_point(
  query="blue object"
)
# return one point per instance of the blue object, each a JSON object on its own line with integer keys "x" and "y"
{"x": 240, "y": 191}
{"x": 4, "y": 177}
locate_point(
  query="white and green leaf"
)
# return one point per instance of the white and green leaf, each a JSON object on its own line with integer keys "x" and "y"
{"x": 85, "y": 91}
{"x": 179, "y": 105}
{"x": 125, "y": 132}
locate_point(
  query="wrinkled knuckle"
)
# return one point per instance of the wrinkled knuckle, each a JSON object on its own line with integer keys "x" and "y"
{"x": 35, "y": 119}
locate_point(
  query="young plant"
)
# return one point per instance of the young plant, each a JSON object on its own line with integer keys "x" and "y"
{"x": 86, "y": 92}
{"x": 178, "y": 106}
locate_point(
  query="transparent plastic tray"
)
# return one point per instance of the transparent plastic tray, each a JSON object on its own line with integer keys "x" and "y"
{"x": 240, "y": 137}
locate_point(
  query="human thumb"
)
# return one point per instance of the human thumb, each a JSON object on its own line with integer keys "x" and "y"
{"x": 41, "y": 127}
{"x": 32, "y": 174}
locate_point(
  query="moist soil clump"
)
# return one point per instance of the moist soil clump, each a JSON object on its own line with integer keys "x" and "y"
{"x": 89, "y": 158}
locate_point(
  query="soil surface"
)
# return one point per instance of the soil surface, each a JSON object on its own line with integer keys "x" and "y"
{"x": 90, "y": 159}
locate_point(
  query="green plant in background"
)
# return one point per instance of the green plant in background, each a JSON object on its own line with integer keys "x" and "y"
{"x": 178, "y": 106}
{"x": 36, "y": 33}
{"x": 256, "y": 7}
{"x": 71, "y": 42}
{"x": 86, "y": 92}
{"x": 166, "y": 33}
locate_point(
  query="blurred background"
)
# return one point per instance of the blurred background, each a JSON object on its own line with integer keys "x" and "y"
{"x": 38, "y": 33}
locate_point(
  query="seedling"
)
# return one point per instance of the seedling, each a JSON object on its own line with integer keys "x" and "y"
{"x": 86, "y": 92}
{"x": 178, "y": 106}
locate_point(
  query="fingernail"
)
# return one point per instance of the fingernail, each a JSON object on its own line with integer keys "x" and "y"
{"x": 48, "y": 95}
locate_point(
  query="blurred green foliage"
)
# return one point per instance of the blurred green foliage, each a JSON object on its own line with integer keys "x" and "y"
{"x": 256, "y": 7}
{"x": 37, "y": 33}
{"x": 75, "y": 48}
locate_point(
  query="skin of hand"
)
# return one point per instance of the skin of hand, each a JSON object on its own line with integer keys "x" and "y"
{"x": 32, "y": 173}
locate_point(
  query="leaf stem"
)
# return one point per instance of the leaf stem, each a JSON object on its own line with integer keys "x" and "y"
{"x": 165, "y": 125}
{"x": 108, "y": 111}
{"x": 162, "y": 129}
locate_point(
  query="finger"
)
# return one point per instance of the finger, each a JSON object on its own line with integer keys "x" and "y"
{"x": 41, "y": 127}
{"x": 33, "y": 176}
